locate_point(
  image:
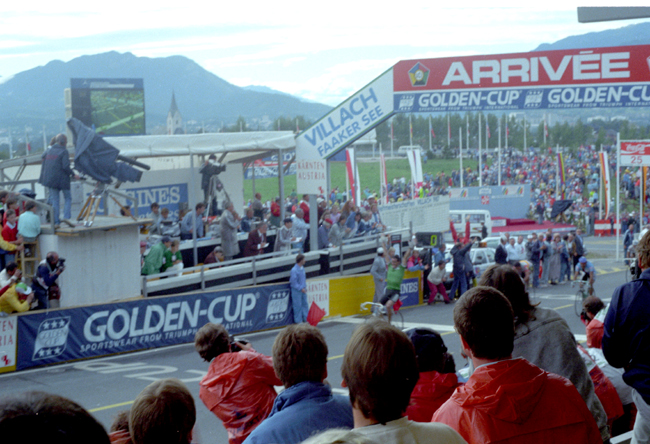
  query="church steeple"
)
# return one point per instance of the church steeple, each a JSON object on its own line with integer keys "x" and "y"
{"x": 174, "y": 118}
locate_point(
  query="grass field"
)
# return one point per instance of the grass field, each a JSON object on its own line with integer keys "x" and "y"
{"x": 368, "y": 175}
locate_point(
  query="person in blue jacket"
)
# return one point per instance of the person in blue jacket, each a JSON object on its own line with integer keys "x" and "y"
{"x": 307, "y": 405}
{"x": 626, "y": 341}
{"x": 298, "y": 283}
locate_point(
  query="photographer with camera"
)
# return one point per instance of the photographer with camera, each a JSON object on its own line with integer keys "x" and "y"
{"x": 44, "y": 284}
{"x": 238, "y": 387}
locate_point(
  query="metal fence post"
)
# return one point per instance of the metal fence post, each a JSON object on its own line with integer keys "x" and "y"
{"x": 144, "y": 286}
{"x": 203, "y": 277}
{"x": 254, "y": 272}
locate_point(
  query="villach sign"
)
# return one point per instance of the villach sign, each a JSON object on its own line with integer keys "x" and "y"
{"x": 579, "y": 78}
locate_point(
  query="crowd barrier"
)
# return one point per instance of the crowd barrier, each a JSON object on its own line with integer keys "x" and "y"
{"x": 604, "y": 228}
{"x": 41, "y": 338}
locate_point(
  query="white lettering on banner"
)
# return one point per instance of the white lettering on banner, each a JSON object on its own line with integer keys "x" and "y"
{"x": 409, "y": 287}
{"x": 348, "y": 121}
{"x": 168, "y": 195}
{"x": 319, "y": 292}
{"x": 427, "y": 214}
{"x": 635, "y": 153}
{"x": 121, "y": 327}
{"x": 8, "y": 328}
{"x": 586, "y": 66}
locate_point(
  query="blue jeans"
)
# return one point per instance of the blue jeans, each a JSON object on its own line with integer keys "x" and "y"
{"x": 460, "y": 279}
{"x": 67, "y": 204}
{"x": 299, "y": 303}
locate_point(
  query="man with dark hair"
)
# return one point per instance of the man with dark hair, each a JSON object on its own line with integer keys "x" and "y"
{"x": 238, "y": 387}
{"x": 187, "y": 227}
{"x": 163, "y": 413}
{"x": 380, "y": 370}
{"x": 505, "y": 399}
{"x": 626, "y": 342}
{"x": 307, "y": 405}
{"x": 56, "y": 174}
{"x": 593, "y": 315}
{"x": 298, "y": 283}
{"x": 47, "y": 273}
{"x": 39, "y": 417}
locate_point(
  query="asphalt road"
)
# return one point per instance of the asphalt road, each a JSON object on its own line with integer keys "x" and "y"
{"x": 108, "y": 385}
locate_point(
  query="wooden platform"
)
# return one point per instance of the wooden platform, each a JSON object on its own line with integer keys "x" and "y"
{"x": 101, "y": 223}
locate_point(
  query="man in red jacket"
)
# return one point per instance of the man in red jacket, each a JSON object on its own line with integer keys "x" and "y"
{"x": 509, "y": 400}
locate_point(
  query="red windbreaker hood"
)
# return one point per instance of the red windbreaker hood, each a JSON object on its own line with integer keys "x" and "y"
{"x": 520, "y": 387}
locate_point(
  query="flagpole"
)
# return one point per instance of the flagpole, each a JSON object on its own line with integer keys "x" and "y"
{"x": 557, "y": 173}
{"x": 600, "y": 188}
{"x": 448, "y": 132}
{"x": 460, "y": 153}
{"x": 410, "y": 131}
{"x": 480, "y": 157}
{"x": 392, "y": 136}
{"x": 525, "y": 144}
{"x": 618, "y": 193}
{"x": 499, "y": 153}
{"x": 44, "y": 139}
{"x": 430, "y": 147}
{"x": 11, "y": 145}
{"x": 545, "y": 131}
{"x": 467, "y": 143}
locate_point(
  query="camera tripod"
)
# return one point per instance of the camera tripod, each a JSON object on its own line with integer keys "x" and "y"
{"x": 89, "y": 210}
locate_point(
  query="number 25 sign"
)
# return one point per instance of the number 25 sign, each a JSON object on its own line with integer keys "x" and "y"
{"x": 635, "y": 153}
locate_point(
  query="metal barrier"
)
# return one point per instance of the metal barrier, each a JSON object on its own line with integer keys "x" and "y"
{"x": 254, "y": 266}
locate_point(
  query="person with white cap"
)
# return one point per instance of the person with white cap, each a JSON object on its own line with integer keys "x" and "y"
{"x": 17, "y": 298}
{"x": 378, "y": 272}
{"x": 588, "y": 273}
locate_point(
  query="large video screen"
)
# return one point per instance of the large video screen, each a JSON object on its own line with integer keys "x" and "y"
{"x": 113, "y": 107}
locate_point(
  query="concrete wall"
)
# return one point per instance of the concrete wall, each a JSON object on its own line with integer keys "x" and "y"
{"x": 101, "y": 266}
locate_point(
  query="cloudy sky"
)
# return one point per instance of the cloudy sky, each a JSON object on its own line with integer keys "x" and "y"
{"x": 322, "y": 51}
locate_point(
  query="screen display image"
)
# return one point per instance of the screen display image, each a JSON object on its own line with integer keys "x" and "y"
{"x": 110, "y": 106}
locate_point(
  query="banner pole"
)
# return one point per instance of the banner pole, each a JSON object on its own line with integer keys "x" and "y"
{"x": 600, "y": 188}
{"x": 460, "y": 153}
{"x": 618, "y": 194}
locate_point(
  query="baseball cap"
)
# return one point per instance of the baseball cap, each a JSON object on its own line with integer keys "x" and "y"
{"x": 582, "y": 259}
{"x": 380, "y": 250}
{"x": 22, "y": 288}
{"x": 329, "y": 221}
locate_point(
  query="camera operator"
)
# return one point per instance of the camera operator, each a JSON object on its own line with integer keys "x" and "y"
{"x": 44, "y": 284}
{"x": 238, "y": 387}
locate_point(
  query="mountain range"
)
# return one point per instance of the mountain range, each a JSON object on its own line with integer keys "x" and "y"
{"x": 35, "y": 97}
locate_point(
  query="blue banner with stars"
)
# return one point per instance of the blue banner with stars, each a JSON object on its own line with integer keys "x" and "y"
{"x": 51, "y": 337}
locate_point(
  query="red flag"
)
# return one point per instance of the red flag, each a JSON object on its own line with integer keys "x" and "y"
{"x": 315, "y": 314}
{"x": 433, "y": 133}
